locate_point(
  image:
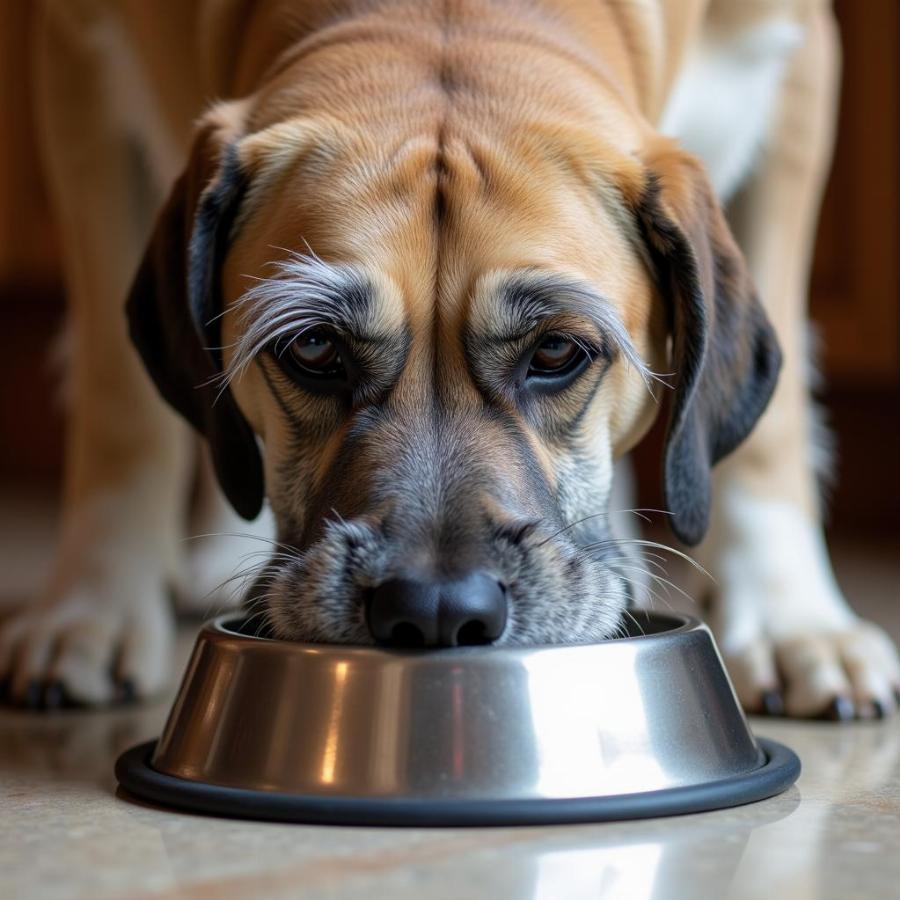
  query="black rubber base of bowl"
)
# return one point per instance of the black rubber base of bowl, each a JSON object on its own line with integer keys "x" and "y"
{"x": 135, "y": 774}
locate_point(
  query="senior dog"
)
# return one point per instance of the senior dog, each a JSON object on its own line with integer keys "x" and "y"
{"x": 429, "y": 270}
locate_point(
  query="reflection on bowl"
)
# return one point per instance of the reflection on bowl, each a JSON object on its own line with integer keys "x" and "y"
{"x": 643, "y": 725}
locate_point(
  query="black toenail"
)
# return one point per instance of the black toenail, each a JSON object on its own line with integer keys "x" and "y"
{"x": 5, "y": 684}
{"x": 33, "y": 697}
{"x": 126, "y": 692}
{"x": 54, "y": 695}
{"x": 773, "y": 703}
{"x": 70, "y": 702}
{"x": 840, "y": 710}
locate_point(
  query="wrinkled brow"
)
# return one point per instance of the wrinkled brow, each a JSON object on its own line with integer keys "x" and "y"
{"x": 304, "y": 293}
{"x": 523, "y": 300}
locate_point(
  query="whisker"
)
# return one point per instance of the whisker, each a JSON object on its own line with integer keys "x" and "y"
{"x": 246, "y": 574}
{"x": 633, "y": 619}
{"x": 657, "y": 561}
{"x": 667, "y": 583}
{"x": 640, "y": 513}
{"x": 655, "y": 597}
{"x": 566, "y": 528}
{"x": 648, "y": 589}
{"x": 645, "y": 543}
{"x": 256, "y": 616}
{"x": 658, "y": 579}
{"x": 241, "y": 534}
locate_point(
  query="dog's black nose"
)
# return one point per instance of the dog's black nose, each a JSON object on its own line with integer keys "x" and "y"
{"x": 405, "y": 612}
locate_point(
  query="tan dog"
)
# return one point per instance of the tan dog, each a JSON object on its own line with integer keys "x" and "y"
{"x": 430, "y": 269}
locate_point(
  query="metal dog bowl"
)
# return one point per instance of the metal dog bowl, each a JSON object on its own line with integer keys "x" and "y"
{"x": 640, "y": 726}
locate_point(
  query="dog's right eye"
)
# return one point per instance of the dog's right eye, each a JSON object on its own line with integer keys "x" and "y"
{"x": 316, "y": 352}
{"x": 314, "y": 356}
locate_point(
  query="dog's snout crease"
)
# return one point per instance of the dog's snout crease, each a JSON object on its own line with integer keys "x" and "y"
{"x": 413, "y": 612}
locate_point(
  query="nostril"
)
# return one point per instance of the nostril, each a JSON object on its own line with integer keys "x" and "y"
{"x": 462, "y": 611}
{"x": 472, "y": 634}
{"x": 405, "y": 634}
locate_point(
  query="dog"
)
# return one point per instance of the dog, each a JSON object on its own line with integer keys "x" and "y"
{"x": 428, "y": 271}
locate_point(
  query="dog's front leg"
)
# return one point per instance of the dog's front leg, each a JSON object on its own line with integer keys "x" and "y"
{"x": 780, "y": 617}
{"x": 103, "y": 624}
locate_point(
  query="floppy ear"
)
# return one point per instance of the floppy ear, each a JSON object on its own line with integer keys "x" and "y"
{"x": 724, "y": 352}
{"x": 175, "y": 304}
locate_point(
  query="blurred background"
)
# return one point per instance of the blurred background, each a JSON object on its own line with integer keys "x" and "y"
{"x": 855, "y": 290}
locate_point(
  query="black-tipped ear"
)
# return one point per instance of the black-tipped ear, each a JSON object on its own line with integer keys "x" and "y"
{"x": 174, "y": 308}
{"x": 724, "y": 351}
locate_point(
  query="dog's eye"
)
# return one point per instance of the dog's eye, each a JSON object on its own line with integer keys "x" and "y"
{"x": 556, "y": 355}
{"x": 316, "y": 354}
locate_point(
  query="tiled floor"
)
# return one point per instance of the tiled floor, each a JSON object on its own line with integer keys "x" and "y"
{"x": 64, "y": 832}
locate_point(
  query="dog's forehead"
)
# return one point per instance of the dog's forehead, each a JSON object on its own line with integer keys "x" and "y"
{"x": 432, "y": 219}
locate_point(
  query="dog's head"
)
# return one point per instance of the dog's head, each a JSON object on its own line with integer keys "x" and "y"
{"x": 428, "y": 349}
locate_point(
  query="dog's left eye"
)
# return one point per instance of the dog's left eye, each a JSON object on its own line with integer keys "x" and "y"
{"x": 556, "y": 356}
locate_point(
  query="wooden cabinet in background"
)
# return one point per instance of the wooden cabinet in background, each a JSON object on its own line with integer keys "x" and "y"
{"x": 855, "y": 288}
{"x": 28, "y": 252}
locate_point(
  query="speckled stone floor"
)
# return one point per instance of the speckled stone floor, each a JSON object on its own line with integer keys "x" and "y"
{"x": 65, "y": 833}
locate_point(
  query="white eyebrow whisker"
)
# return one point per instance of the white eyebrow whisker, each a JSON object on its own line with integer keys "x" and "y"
{"x": 530, "y": 295}
{"x": 304, "y": 293}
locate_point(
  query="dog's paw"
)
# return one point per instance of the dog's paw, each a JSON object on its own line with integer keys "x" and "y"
{"x": 791, "y": 641}
{"x": 846, "y": 673}
{"x": 81, "y": 651}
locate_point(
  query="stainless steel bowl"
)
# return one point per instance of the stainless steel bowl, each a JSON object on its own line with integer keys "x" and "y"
{"x": 643, "y": 725}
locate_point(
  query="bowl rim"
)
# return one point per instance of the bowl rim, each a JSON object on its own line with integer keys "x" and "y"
{"x": 682, "y": 624}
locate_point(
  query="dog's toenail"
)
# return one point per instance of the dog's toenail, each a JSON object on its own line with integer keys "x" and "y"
{"x": 70, "y": 702}
{"x": 33, "y": 697}
{"x": 840, "y": 710}
{"x": 773, "y": 703}
{"x": 54, "y": 695}
{"x": 126, "y": 692}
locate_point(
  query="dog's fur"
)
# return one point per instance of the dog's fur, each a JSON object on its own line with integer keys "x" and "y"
{"x": 439, "y": 185}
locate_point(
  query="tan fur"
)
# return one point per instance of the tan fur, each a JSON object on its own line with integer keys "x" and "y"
{"x": 436, "y": 148}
